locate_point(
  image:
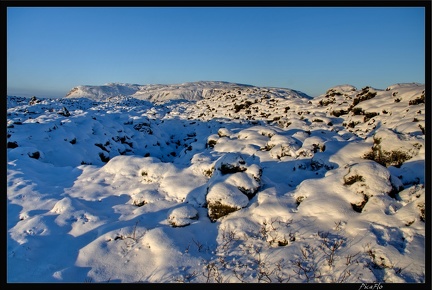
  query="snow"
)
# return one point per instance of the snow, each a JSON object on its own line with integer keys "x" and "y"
{"x": 217, "y": 182}
{"x": 160, "y": 93}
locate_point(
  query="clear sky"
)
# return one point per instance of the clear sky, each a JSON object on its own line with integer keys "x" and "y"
{"x": 51, "y": 50}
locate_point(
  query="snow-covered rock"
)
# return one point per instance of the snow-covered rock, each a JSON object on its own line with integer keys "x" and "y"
{"x": 182, "y": 216}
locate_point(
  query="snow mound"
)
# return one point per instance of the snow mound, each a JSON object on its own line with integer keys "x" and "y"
{"x": 182, "y": 216}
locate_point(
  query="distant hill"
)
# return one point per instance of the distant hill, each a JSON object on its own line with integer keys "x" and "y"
{"x": 191, "y": 91}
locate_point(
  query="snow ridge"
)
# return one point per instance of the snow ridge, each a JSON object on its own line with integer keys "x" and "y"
{"x": 159, "y": 93}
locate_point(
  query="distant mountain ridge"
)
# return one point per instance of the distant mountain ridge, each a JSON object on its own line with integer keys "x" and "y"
{"x": 191, "y": 91}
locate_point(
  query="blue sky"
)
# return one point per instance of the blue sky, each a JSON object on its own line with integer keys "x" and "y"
{"x": 51, "y": 50}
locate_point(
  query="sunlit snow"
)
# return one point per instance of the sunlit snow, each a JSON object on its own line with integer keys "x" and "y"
{"x": 217, "y": 182}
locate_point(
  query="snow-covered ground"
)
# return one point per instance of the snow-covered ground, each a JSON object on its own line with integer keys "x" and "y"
{"x": 217, "y": 182}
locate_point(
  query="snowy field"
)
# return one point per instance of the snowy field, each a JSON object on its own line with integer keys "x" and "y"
{"x": 217, "y": 182}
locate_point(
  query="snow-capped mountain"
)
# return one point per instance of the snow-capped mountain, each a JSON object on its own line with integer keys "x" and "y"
{"x": 160, "y": 93}
{"x": 218, "y": 182}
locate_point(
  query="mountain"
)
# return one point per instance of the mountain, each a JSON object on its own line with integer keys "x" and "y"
{"x": 214, "y": 182}
{"x": 160, "y": 93}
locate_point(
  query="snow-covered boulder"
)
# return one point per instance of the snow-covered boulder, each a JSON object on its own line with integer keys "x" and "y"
{"x": 182, "y": 216}
{"x": 310, "y": 146}
{"x": 371, "y": 178}
{"x": 232, "y": 185}
{"x": 212, "y": 140}
{"x": 392, "y": 149}
{"x": 281, "y": 146}
{"x": 230, "y": 163}
{"x": 224, "y": 132}
{"x": 223, "y": 198}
